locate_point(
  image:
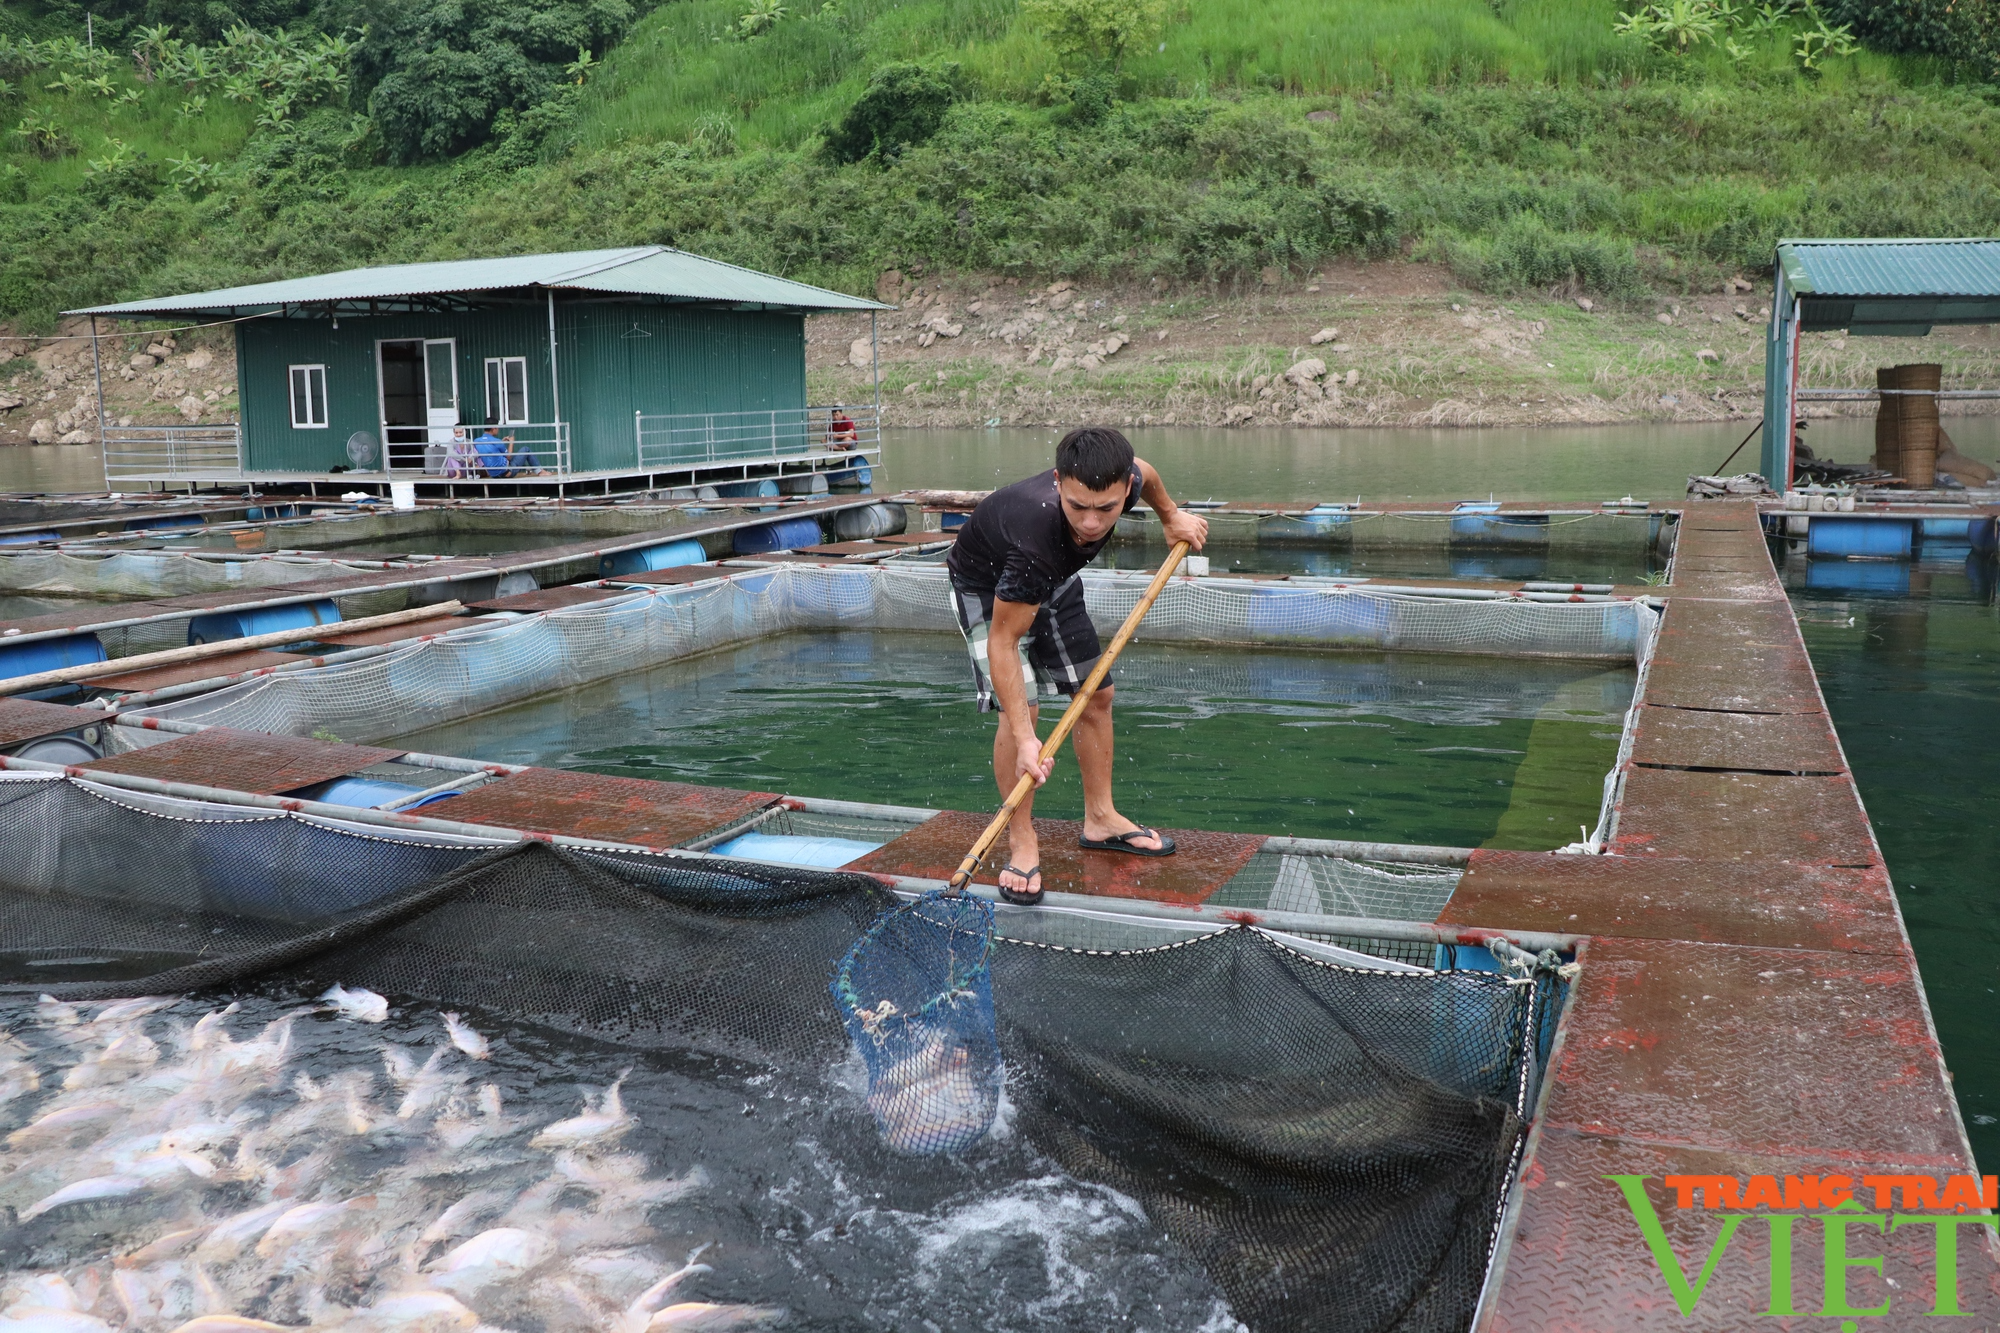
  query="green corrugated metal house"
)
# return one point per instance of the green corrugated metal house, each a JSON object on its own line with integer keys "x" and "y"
{"x": 1893, "y": 288}
{"x": 595, "y": 363}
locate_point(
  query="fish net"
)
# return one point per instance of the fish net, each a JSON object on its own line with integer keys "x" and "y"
{"x": 1328, "y": 1142}
{"x": 453, "y": 676}
{"x": 124, "y": 575}
{"x": 916, "y": 994}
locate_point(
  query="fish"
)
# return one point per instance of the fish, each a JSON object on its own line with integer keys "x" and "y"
{"x": 231, "y": 1323}
{"x": 510, "y": 1247}
{"x": 454, "y": 1221}
{"x": 96, "y": 1189}
{"x": 163, "y": 1248}
{"x": 43, "y": 1319}
{"x": 50, "y": 1291}
{"x": 409, "y": 1312}
{"x": 702, "y": 1317}
{"x": 17, "y": 1079}
{"x": 125, "y": 1011}
{"x": 63, "y": 1124}
{"x": 648, "y": 1302}
{"x": 607, "y": 1120}
{"x": 122, "y": 1057}
{"x": 463, "y": 1037}
{"x": 308, "y": 1221}
{"x": 227, "y": 1238}
{"x": 208, "y": 1030}
{"x": 51, "y": 1012}
{"x": 932, "y": 1098}
{"x": 428, "y": 1088}
{"x": 359, "y": 1004}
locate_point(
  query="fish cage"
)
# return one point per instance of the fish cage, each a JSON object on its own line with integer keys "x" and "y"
{"x": 381, "y": 1073}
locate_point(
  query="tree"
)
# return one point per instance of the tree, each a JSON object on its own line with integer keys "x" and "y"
{"x": 1095, "y": 32}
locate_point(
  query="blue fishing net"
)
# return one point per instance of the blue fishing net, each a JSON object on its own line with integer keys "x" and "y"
{"x": 916, "y": 993}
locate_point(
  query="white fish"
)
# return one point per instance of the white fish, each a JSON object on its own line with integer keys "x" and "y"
{"x": 123, "y": 1056}
{"x": 208, "y": 1032}
{"x": 163, "y": 1248}
{"x": 410, "y": 1312}
{"x": 359, "y": 1004}
{"x": 124, "y": 1011}
{"x": 702, "y": 1317}
{"x": 64, "y": 1123}
{"x": 228, "y": 1238}
{"x": 231, "y": 1323}
{"x": 17, "y": 1079}
{"x": 606, "y": 1120}
{"x": 509, "y": 1247}
{"x": 932, "y": 1095}
{"x": 648, "y": 1302}
{"x": 93, "y": 1190}
{"x": 463, "y": 1037}
{"x": 308, "y": 1220}
{"x": 51, "y": 1012}
{"x": 429, "y": 1088}
{"x": 50, "y": 1291}
{"x": 400, "y": 1065}
{"x": 43, "y": 1319}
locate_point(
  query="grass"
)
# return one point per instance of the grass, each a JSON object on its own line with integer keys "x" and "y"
{"x": 1519, "y": 141}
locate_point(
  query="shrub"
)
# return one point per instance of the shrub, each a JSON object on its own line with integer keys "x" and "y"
{"x": 1095, "y": 32}
{"x": 904, "y": 104}
{"x": 1527, "y": 255}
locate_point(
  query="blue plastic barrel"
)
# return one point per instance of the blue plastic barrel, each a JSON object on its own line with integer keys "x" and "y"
{"x": 742, "y": 490}
{"x": 784, "y": 535}
{"x": 1952, "y": 531}
{"x": 28, "y": 538}
{"x": 25, "y": 659}
{"x": 1831, "y": 535}
{"x": 166, "y": 521}
{"x": 1485, "y": 525}
{"x": 868, "y": 522}
{"x": 952, "y": 522}
{"x": 786, "y": 849}
{"x": 223, "y": 625}
{"x": 670, "y": 556}
{"x": 1984, "y": 534}
{"x": 365, "y": 793}
{"x": 859, "y": 476}
{"x": 1887, "y": 578}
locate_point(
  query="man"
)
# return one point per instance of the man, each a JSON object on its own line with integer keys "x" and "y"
{"x": 1019, "y": 600}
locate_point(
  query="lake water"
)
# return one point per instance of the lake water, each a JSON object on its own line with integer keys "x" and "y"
{"x": 1377, "y": 747}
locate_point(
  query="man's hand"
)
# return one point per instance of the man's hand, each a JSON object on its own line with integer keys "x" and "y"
{"x": 1181, "y": 526}
{"x": 1028, "y": 759}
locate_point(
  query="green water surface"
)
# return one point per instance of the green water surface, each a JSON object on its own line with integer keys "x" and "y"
{"x": 1454, "y": 751}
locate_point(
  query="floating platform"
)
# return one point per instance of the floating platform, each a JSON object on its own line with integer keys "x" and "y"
{"x": 1746, "y": 998}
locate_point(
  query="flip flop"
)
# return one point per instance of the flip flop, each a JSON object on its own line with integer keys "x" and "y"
{"x": 1016, "y": 896}
{"x": 1122, "y": 842}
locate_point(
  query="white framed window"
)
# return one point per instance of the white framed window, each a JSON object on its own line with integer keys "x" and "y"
{"x": 507, "y": 390}
{"x": 308, "y": 397}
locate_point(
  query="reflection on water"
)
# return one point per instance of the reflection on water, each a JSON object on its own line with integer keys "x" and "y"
{"x": 1394, "y": 748}
{"x": 1908, "y": 656}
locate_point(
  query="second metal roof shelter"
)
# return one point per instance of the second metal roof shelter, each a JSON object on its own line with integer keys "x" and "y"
{"x": 600, "y": 363}
{"x": 1899, "y": 288}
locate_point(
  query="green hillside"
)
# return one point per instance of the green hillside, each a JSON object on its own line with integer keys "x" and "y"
{"x": 1530, "y": 143}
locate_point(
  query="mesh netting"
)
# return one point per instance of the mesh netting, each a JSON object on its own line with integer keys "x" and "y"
{"x": 1329, "y": 1142}
{"x": 1336, "y": 886}
{"x": 916, "y": 994}
{"x": 476, "y": 669}
{"x": 149, "y": 574}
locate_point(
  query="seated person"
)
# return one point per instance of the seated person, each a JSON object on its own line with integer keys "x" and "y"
{"x": 521, "y": 463}
{"x": 493, "y": 453}
{"x": 460, "y": 458}
{"x": 841, "y": 432}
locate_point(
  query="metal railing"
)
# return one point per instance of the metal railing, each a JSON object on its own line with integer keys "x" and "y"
{"x": 453, "y": 452}
{"x": 696, "y": 438}
{"x": 194, "y": 453}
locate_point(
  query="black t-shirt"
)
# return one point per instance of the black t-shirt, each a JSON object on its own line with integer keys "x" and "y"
{"x": 1018, "y": 546}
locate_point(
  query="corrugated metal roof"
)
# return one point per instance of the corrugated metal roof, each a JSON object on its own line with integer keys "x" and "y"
{"x": 1892, "y": 268}
{"x": 650, "y": 270}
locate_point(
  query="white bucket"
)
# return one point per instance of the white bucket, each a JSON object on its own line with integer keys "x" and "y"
{"x": 1197, "y": 565}
{"x": 403, "y": 495}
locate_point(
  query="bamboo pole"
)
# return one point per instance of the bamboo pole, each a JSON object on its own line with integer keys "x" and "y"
{"x": 118, "y": 666}
{"x": 1069, "y": 719}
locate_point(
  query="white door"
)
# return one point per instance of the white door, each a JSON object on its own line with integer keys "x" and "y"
{"x": 440, "y": 388}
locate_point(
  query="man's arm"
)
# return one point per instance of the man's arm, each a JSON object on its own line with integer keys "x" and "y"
{"x": 1011, "y": 622}
{"x": 1175, "y": 522}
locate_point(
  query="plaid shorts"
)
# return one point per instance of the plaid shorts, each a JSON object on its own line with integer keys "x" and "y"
{"x": 1057, "y": 653}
